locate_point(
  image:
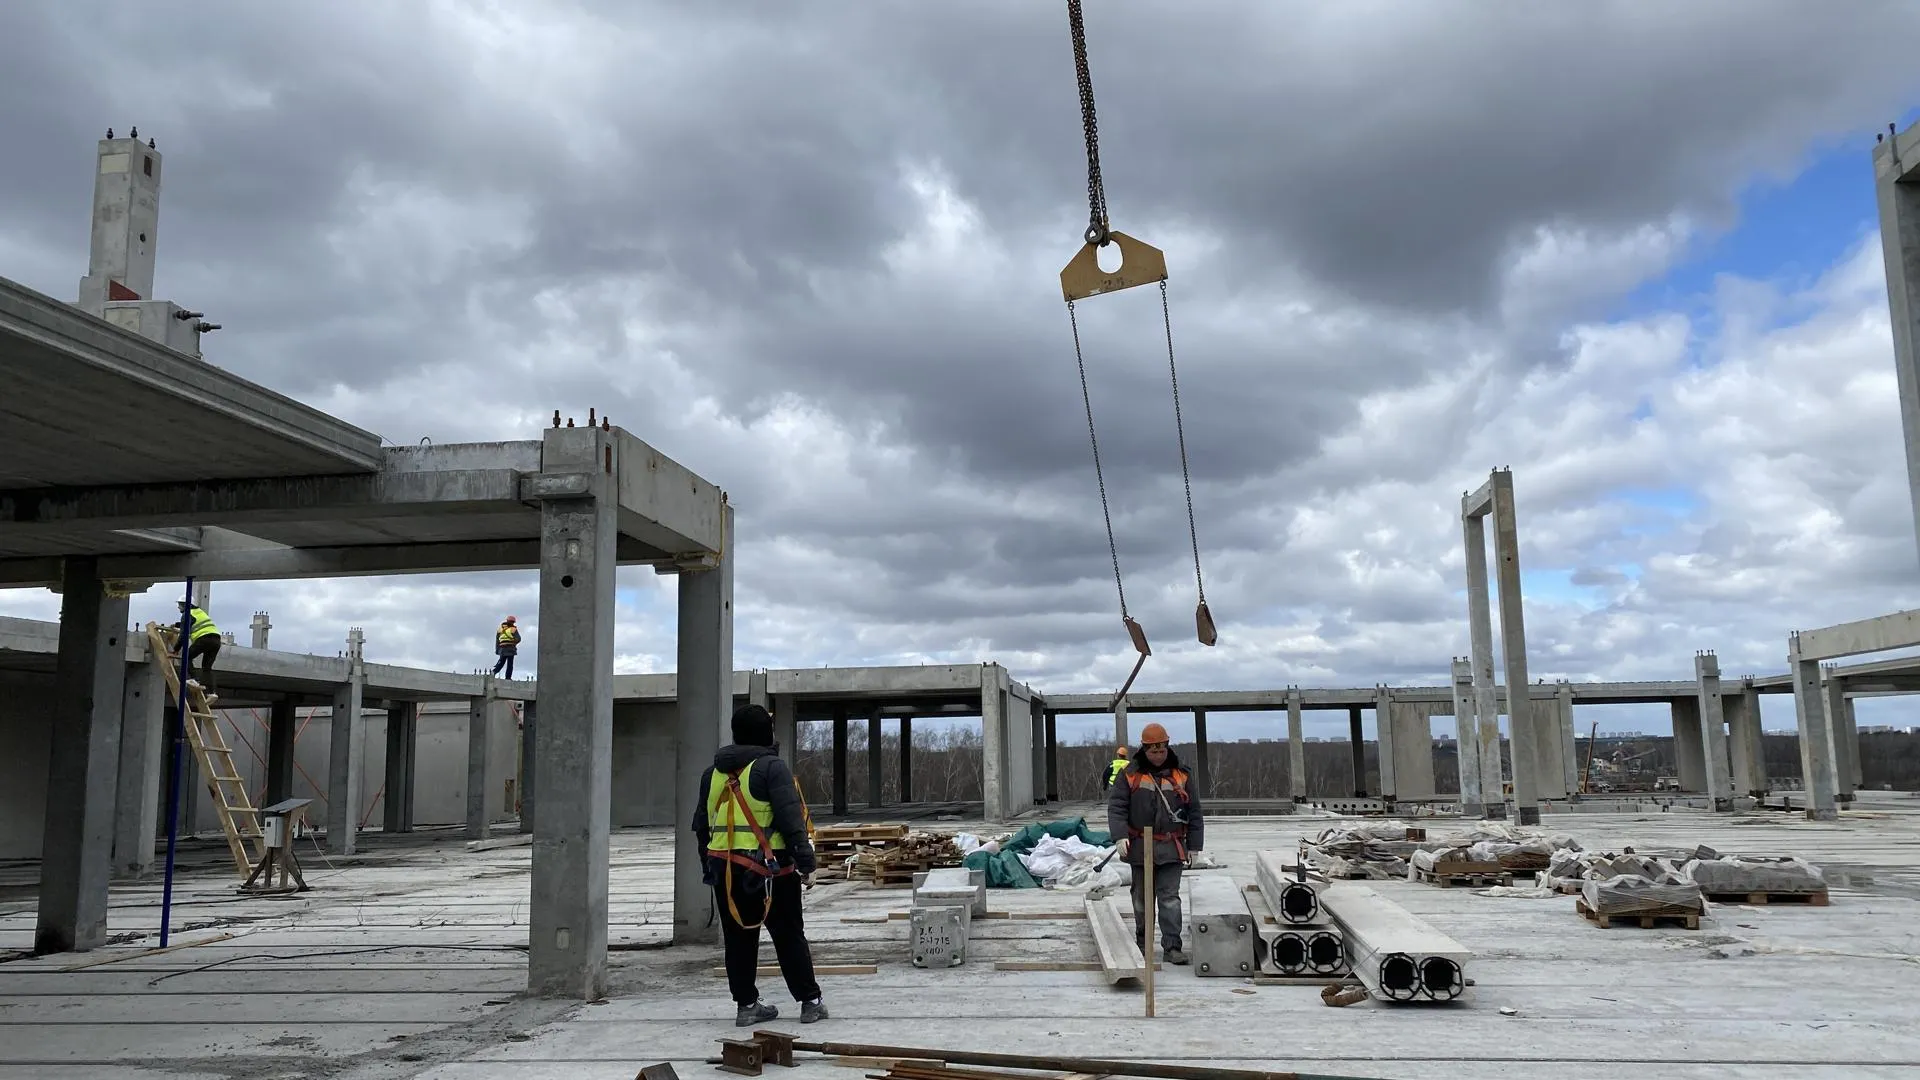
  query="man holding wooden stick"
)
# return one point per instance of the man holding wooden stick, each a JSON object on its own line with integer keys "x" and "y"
{"x": 1156, "y": 793}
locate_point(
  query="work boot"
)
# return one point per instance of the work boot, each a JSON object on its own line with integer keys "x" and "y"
{"x": 811, "y": 1011}
{"x": 757, "y": 1013}
{"x": 1175, "y": 957}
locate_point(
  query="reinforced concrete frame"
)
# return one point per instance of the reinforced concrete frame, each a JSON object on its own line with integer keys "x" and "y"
{"x": 1495, "y": 499}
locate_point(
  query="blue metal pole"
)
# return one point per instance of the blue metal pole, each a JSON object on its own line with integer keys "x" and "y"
{"x": 173, "y": 774}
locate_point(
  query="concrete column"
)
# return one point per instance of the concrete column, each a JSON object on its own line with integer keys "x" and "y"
{"x": 1744, "y": 745}
{"x": 1486, "y": 710}
{"x": 261, "y": 627}
{"x": 1296, "y": 748}
{"x": 1513, "y": 641}
{"x": 479, "y": 715}
{"x": 1690, "y": 758}
{"x": 282, "y": 729}
{"x": 1037, "y": 748}
{"x": 839, "y": 759}
{"x": 83, "y": 762}
{"x": 1203, "y": 776}
{"x": 757, "y": 693}
{"x": 993, "y": 745}
{"x": 876, "y": 773}
{"x": 529, "y": 759}
{"x": 1896, "y": 167}
{"x": 1359, "y": 745}
{"x": 906, "y": 759}
{"x": 1466, "y": 736}
{"x": 1569, "y": 749}
{"x": 143, "y": 717}
{"x": 1053, "y": 757}
{"x": 1818, "y": 776}
{"x": 348, "y": 734}
{"x": 786, "y": 726}
{"x": 1848, "y": 733}
{"x": 705, "y": 690}
{"x": 1846, "y": 744}
{"x": 579, "y": 533}
{"x": 402, "y": 739}
{"x": 1383, "y": 738}
{"x": 1713, "y": 730}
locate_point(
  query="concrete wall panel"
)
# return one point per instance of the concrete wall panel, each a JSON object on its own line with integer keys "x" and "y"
{"x": 26, "y": 731}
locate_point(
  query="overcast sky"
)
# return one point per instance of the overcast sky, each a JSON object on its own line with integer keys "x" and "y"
{"x": 810, "y": 250}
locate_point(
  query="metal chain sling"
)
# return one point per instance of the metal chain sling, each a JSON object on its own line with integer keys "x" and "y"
{"x": 1082, "y": 277}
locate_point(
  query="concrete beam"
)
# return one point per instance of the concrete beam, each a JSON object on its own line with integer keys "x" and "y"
{"x": 1479, "y": 502}
{"x": 864, "y": 682}
{"x": 663, "y": 504}
{"x": 1899, "y": 630}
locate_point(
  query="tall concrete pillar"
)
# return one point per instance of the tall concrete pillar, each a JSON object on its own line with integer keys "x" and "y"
{"x": 402, "y": 741}
{"x": 347, "y": 737}
{"x": 1486, "y": 710}
{"x": 1846, "y": 742}
{"x": 1383, "y": 737}
{"x": 1466, "y": 737}
{"x": 1203, "y": 776}
{"x": 479, "y": 736}
{"x": 529, "y": 759}
{"x": 705, "y": 690}
{"x": 1296, "y": 748}
{"x": 839, "y": 759}
{"x": 83, "y": 762}
{"x": 1896, "y": 170}
{"x": 906, "y": 759}
{"x": 1744, "y": 745}
{"x": 261, "y": 627}
{"x": 993, "y": 745}
{"x": 1053, "y": 757}
{"x": 282, "y": 730}
{"x": 136, "y": 812}
{"x": 1513, "y": 643}
{"x": 786, "y": 726}
{"x": 1713, "y": 730}
{"x": 1037, "y": 748}
{"x": 876, "y": 761}
{"x": 573, "y": 743}
{"x": 1357, "y": 736}
{"x": 1689, "y": 755}
{"x": 1569, "y": 748}
{"x": 1819, "y": 778}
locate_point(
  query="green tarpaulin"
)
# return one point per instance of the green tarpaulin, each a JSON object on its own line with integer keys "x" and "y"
{"x": 1003, "y": 867}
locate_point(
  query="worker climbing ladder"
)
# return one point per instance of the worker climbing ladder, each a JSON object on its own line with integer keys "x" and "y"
{"x": 239, "y": 819}
{"x": 1141, "y": 264}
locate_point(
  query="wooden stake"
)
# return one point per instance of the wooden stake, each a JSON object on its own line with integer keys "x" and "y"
{"x": 1149, "y": 914}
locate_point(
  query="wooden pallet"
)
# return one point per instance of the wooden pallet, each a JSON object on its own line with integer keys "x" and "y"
{"x": 1647, "y": 918}
{"x": 1477, "y": 879}
{"x": 1815, "y": 898}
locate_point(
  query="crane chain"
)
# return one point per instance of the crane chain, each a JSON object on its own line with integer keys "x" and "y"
{"x": 1086, "y": 397}
{"x": 1096, "y": 191}
{"x": 1186, "y": 477}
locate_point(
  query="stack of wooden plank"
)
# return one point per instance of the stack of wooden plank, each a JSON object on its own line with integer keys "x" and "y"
{"x": 886, "y": 855}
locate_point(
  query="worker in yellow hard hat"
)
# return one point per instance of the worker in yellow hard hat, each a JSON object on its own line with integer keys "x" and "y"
{"x": 1156, "y": 793}
{"x": 1114, "y": 768}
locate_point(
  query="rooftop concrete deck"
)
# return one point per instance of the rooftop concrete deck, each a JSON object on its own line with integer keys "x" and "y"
{"x": 406, "y": 961}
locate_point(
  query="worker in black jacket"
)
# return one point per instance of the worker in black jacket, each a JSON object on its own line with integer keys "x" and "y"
{"x": 752, "y": 825}
{"x": 1155, "y": 792}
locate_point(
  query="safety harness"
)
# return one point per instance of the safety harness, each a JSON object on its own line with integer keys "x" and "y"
{"x": 767, "y": 866}
{"x": 1178, "y": 834}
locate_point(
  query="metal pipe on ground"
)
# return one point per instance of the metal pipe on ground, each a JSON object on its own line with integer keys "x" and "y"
{"x": 1092, "y": 1066}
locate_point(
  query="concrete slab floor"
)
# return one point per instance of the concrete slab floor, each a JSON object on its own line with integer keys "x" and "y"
{"x": 408, "y": 960}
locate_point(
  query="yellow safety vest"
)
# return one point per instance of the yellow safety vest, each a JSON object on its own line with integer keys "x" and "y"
{"x": 1114, "y": 770}
{"x": 731, "y": 832}
{"x": 508, "y": 635}
{"x": 202, "y": 625}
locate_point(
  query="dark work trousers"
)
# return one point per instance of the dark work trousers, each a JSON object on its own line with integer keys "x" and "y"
{"x": 1166, "y": 898}
{"x": 505, "y": 660}
{"x": 783, "y": 924}
{"x": 206, "y": 648}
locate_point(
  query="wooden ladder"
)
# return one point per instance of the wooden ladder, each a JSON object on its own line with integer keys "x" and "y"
{"x": 239, "y": 819}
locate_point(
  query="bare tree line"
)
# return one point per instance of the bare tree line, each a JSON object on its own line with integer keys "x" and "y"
{"x": 946, "y": 764}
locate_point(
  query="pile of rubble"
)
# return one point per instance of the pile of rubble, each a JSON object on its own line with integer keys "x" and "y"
{"x": 1676, "y": 878}
{"x": 1387, "y": 850}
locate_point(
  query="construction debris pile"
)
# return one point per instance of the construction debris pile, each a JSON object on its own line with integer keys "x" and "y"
{"x": 1513, "y": 847}
{"x": 1389, "y": 850}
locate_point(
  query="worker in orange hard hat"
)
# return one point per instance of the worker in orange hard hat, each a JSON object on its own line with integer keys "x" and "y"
{"x": 506, "y": 644}
{"x": 1114, "y": 768}
{"x": 1156, "y": 793}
